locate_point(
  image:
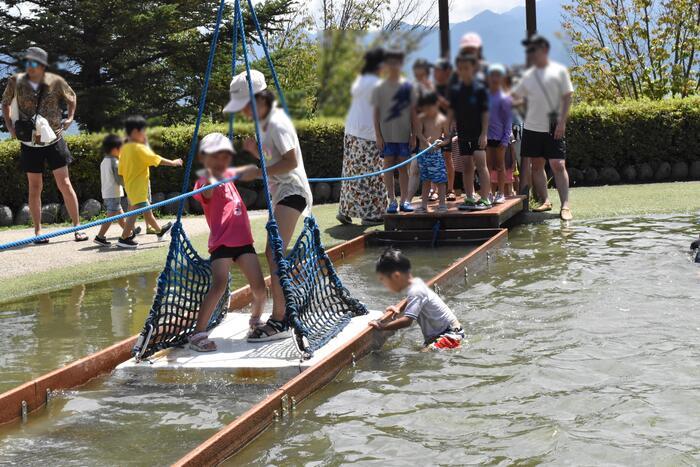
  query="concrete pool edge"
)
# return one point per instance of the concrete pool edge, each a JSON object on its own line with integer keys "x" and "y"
{"x": 246, "y": 427}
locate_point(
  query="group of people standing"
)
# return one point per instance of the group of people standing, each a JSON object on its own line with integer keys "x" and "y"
{"x": 466, "y": 119}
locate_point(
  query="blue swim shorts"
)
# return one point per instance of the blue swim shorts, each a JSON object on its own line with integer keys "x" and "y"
{"x": 396, "y": 150}
{"x": 432, "y": 167}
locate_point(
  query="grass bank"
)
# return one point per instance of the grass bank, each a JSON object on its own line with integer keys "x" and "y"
{"x": 587, "y": 203}
{"x": 152, "y": 259}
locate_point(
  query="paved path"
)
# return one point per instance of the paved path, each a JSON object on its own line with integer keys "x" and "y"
{"x": 64, "y": 251}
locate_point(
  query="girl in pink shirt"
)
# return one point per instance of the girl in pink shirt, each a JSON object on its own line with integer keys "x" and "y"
{"x": 230, "y": 240}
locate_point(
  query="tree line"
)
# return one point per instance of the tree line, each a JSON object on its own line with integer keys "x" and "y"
{"x": 149, "y": 57}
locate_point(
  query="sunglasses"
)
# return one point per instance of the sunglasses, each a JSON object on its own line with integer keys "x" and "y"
{"x": 32, "y": 64}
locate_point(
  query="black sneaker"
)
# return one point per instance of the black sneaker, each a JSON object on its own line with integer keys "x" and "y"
{"x": 165, "y": 229}
{"x": 136, "y": 231}
{"x": 102, "y": 241}
{"x": 343, "y": 219}
{"x": 127, "y": 243}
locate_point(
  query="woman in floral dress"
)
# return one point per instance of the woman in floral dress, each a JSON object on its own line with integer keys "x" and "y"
{"x": 365, "y": 198}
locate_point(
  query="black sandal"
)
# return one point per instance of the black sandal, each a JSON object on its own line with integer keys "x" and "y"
{"x": 41, "y": 242}
{"x": 80, "y": 236}
{"x": 273, "y": 330}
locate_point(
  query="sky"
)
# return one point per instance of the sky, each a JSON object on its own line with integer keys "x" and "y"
{"x": 461, "y": 10}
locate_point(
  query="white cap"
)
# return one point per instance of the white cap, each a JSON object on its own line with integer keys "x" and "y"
{"x": 239, "y": 90}
{"x": 215, "y": 142}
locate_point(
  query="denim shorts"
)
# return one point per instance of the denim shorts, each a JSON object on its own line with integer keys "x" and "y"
{"x": 396, "y": 150}
{"x": 113, "y": 204}
{"x": 432, "y": 167}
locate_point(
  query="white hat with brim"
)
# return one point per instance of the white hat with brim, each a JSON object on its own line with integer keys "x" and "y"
{"x": 215, "y": 142}
{"x": 240, "y": 95}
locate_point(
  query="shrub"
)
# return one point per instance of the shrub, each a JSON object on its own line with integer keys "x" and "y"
{"x": 634, "y": 132}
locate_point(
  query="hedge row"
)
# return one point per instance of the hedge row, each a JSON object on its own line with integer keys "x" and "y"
{"x": 321, "y": 143}
{"x": 615, "y": 135}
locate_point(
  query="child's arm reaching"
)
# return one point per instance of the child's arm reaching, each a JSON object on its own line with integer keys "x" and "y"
{"x": 398, "y": 323}
{"x": 395, "y": 323}
{"x": 171, "y": 163}
{"x": 420, "y": 133}
{"x": 248, "y": 173}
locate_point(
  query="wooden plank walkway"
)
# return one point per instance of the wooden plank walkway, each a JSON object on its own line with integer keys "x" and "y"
{"x": 454, "y": 218}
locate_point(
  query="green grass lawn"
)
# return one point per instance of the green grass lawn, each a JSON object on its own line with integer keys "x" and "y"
{"x": 587, "y": 203}
{"x": 632, "y": 200}
{"x": 153, "y": 259}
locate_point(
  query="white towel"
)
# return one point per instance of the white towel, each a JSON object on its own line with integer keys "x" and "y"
{"x": 44, "y": 130}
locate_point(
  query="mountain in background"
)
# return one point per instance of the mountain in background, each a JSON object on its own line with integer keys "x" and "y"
{"x": 502, "y": 34}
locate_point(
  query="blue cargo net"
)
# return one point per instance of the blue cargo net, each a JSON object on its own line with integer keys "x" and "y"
{"x": 317, "y": 304}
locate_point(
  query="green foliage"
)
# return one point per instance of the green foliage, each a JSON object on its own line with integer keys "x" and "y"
{"x": 125, "y": 56}
{"x": 634, "y": 49}
{"x": 633, "y": 132}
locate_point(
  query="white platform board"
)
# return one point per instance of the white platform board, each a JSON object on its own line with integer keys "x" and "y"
{"x": 234, "y": 353}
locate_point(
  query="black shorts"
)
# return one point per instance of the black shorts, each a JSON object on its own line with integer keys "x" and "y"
{"x": 32, "y": 159}
{"x": 542, "y": 144}
{"x": 468, "y": 146}
{"x": 297, "y": 202}
{"x": 493, "y": 143}
{"x": 233, "y": 252}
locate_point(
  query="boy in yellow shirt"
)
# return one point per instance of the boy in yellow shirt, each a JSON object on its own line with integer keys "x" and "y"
{"x": 135, "y": 161}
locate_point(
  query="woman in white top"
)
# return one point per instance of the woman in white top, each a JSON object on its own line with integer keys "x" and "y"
{"x": 364, "y": 198}
{"x": 289, "y": 186}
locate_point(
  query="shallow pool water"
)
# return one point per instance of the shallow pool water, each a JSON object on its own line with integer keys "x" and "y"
{"x": 582, "y": 350}
{"x": 123, "y": 419}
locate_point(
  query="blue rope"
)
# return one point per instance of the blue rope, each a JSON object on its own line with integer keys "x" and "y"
{"x": 256, "y": 118}
{"x": 135, "y": 212}
{"x": 234, "y": 27}
{"x": 283, "y": 100}
{"x": 374, "y": 174}
{"x": 202, "y": 102}
{"x": 317, "y": 305}
{"x": 275, "y": 239}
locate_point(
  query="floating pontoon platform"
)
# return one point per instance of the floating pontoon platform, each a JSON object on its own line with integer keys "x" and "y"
{"x": 492, "y": 218}
{"x": 245, "y": 359}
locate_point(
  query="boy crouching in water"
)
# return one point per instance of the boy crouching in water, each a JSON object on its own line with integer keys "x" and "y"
{"x": 440, "y": 327}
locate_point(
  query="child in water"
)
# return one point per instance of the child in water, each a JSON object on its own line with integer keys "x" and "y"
{"x": 440, "y": 327}
{"x": 230, "y": 240}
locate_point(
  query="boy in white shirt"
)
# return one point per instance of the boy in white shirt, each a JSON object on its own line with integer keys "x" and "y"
{"x": 440, "y": 327}
{"x": 112, "y": 189}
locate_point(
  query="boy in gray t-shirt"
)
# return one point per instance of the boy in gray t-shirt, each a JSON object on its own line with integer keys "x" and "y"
{"x": 395, "y": 120}
{"x": 440, "y": 327}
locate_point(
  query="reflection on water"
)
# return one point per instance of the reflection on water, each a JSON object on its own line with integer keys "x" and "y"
{"x": 49, "y": 330}
{"x": 582, "y": 350}
{"x": 123, "y": 419}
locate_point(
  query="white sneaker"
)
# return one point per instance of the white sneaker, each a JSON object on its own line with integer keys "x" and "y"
{"x": 499, "y": 199}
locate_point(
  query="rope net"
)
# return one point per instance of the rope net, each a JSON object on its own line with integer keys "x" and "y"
{"x": 318, "y": 305}
{"x": 182, "y": 285}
